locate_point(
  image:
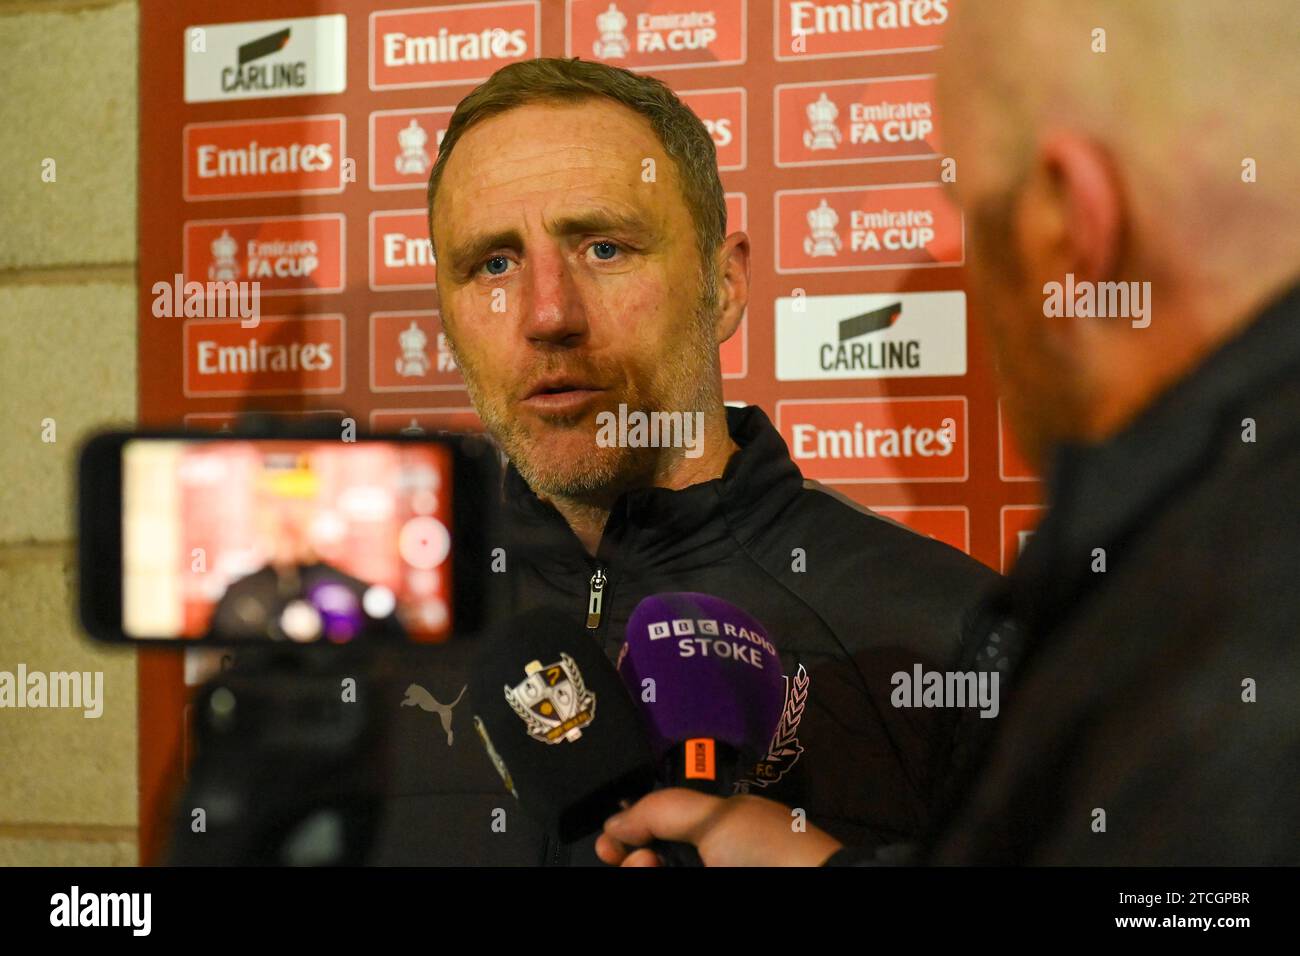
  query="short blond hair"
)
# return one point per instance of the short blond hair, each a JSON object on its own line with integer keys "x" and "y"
{"x": 680, "y": 132}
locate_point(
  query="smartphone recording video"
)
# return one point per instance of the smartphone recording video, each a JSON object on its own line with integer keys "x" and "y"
{"x": 295, "y": 540}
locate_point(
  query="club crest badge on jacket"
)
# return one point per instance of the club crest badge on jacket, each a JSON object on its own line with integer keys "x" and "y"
{"x": 785, "y": 748}
{"x": 553, "y": 701}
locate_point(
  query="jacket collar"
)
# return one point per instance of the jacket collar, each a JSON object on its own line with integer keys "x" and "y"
{"x": 654, "y": 527}
{"x": 1098, "y": 494}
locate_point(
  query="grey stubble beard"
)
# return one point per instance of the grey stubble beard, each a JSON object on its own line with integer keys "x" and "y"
{"x": 597, "y": 479}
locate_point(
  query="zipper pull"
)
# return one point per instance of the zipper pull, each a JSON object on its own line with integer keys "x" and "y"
{"x": 594, "y": 598}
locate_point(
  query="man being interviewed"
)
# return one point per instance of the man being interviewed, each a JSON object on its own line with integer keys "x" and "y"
{"x": 586, "y": 277}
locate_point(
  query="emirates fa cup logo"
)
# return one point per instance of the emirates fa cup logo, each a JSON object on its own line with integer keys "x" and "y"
{"x": 822, "y": 240}
{"x": 224, "y": 268}
{"x": 612, "y": 44}
{"x": 413, "y": 362}
{"x": 413, "y": 160}
{"x": 822, "y": 133}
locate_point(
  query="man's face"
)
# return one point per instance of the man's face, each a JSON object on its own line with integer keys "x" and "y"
{"x": 1007, "y": 268}
{"x": 569, "y": 285}
{"x": 284, "y": 524}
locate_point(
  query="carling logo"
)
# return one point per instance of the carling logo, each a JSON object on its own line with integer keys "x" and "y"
{"x": 451, "y": 45}
{"x": 298, "y": 155}
{"x": 903, "y": 335}
{"x": 874, "y": 440}
{"x": 855, "y": 228}
{"x": 266, "y": 58}
{"x": 657, "y": 34}
{"x": 816, "y": 29}
{"x": 855, "y": 121}
{"x": 286, "y": 255}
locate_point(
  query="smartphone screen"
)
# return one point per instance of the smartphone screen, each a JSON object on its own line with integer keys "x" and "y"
{"x": 215, "y": 532}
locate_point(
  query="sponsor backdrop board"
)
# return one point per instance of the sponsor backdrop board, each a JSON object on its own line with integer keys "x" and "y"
{"x": 290, "y": 143}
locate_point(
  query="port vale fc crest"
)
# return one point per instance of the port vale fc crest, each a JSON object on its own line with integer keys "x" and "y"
{"x": 553, "y": 701}
{"x": 785, "y": 748}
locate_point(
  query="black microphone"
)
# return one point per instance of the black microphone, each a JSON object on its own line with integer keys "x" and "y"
{"x": 558, "y": 724}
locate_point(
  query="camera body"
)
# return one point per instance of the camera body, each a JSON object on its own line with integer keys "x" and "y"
{"x": 315, "y": 555}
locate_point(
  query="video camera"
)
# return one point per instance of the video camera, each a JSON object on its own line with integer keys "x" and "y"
{"x": 316, "y": 553}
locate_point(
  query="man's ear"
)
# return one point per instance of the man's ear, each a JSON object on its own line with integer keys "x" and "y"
{"x": 733, "y": 291}
{"x": 1070, "y": 218}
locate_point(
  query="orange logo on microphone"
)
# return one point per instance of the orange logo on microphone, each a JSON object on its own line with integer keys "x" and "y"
{"x": 700, "y": 759}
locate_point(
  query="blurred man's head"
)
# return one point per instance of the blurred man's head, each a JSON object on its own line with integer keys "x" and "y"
{"x": 579, "y": 225}
{"x": 1107, "y": 140}
{"x": 286, "y": 507}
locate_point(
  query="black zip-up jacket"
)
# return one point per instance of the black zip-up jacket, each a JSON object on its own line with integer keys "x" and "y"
{"x": 1153, "y": 710}
{"x": 848, "y": 597}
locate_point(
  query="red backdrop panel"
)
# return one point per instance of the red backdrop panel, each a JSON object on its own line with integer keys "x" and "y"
{"x": 830, "y": 151}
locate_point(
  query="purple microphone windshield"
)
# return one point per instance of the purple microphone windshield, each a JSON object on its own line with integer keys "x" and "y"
{"x": 715, "y": 672}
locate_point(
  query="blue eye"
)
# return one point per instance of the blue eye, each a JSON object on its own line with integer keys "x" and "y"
{"x": 501, "y": 260}
{"x": 599, "y": 246}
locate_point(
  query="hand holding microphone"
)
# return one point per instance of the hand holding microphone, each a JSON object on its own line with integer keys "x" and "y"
{"x": 569, "y": 742}
{"x": 709, "y": 684}
{"x": 560, "y": 727}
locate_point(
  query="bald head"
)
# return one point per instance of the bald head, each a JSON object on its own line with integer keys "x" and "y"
{"x": 1109, "y": 139}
